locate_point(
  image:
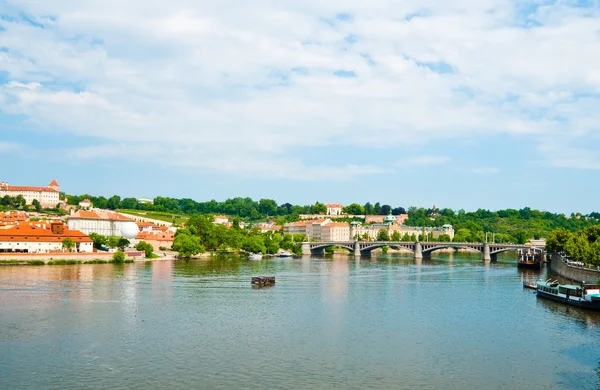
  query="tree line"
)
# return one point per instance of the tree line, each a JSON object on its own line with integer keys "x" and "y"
{"x": 582, "y": 245}
{"x": 201, "y": 235}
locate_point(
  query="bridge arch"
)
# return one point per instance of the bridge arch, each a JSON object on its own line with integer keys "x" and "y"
{"x": 321, "y": 246}
{"x": 369, "y": 246}
{"x": 436, "y": 247}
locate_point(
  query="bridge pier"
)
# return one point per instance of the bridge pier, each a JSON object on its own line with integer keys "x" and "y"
{"x": 306, "y": 248}
{"x": 356, "y": 249}
{"x": 486, "y": 252}
{"x": 418, "y": 251}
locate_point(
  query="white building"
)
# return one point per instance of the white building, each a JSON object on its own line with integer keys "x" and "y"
{"x": 41, "y": 237}
{"x": 47, "y": 196}
{"x": 335, "y": 232}
{"x": 334, "y": 209}
{"x": 103, "y": 222}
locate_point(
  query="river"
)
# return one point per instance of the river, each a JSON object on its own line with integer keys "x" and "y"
{"x": 452, "y": 322}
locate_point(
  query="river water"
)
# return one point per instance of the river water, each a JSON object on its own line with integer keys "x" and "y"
{"x": 386, "y": 322}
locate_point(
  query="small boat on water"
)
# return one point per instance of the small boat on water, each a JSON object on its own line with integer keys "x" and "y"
{"x": 530, "y": 260}
{"x": 583, "y": 295}
{"x": 255, "y": 256}
{"x": 530, "y": 285}
{"x": 284, "y": 254}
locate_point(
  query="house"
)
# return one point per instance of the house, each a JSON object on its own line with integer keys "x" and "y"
{"x": 311, "y": 229}
{"x": 334, "y": 209}
{"x": 335, "y": 232}
{"x": 157, "y": 238}
{"x": 220, "y": 220}
{"x": 85, "y": 204}
{"x": 267, "y": 227}
{"x": 13, "y": 217}
{"x": 103, "y": 222}
{"x": 41, "y": 237}
{"x": 47, "y": 196}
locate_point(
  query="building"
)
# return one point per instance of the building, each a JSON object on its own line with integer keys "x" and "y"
{"x": 157, "y": 238}
{"x": 103, "y": 222}
{"x": 399, "y": 219}
{"x": 85, "y": 204}
{"x": 47, "y": 196}
{"x": 13, "y": 217}
{"x": 335, "y": 232}
{"x": 311, "y": 229}
{"x": 220, "y": 220}
{"x": 41, "y": 237}
{"x": 145, "y": 201}
{"x": 267, "y": 227}
{"x": 334, "y": 209}
{"x": 371, "y": 231}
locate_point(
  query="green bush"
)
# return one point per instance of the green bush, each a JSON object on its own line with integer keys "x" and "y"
{"x": 36, "y": 262}
{"x": 63, "y": 262}
{"x": 119, "y": 257}
{"x": 97, "y": 261}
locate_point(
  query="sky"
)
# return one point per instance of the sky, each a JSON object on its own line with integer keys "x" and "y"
{"x": 464, "y": 104}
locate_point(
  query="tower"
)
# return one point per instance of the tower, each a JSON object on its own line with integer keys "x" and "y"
{"x": 54, "y": 185}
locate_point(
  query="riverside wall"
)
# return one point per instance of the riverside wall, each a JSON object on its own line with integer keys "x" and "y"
{"x": 576, "y": 273}
{"x": 67, "y": 256}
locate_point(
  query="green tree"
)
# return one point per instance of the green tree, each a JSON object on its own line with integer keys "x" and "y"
{"x": 395, "y": 236}
{"x": 187, "y": 245}
{"x": 38, "y": 207}
{"x": 556, "y": 240}
{"x": 119, "y": 257}
{"x": 385, "y": 209}
{"x": 68, "y": 244}
{"x": 377, "y": 209}
{"x": 99, "y": 240}
{"x": 143, "y": 246}
{"x": 444, "y": 238}
{"x": 254, "y": 244}
{"x": 319, "y": 208}
{"x": 354, "y": 209}
{"x": 382, "y": 235}
{"x": 113, "y": 202}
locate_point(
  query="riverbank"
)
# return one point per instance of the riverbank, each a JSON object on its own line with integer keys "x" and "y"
{"x": 574, "y": 272}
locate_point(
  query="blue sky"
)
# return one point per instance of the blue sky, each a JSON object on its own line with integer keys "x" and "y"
{"x": 464, "y": 104}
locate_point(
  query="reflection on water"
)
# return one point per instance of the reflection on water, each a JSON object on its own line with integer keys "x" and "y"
{"x": 387, "y": 321}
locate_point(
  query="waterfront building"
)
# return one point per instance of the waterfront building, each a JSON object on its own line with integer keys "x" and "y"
{"x": 335, "y": 232}
{"x": 145, "y": 201}
{"x": 334, "y": 209}
{"x": 308, "y": 228}
{"x": 13, "y": 217}
{"x": 157, "y": 238}
{"x": 47, "y": 196}
{"x": 359, "y": 230}
{"x": 41, "y": 237}
{"x": 103, "y": 222}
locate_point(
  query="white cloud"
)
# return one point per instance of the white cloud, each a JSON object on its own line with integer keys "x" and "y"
{"x": 484, "y": 170}
{"x": 9, "y": 147}
{"x": 257, "y": 82}
{"x": 423, "y": 160}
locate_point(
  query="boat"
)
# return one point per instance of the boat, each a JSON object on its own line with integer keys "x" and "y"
{"x": 583, "y": 295}
{"x": 255, "y": 256}
{"x": 530, "y": 260}
{"x": 284, "y": 254}
{"x": 530, "y": 285}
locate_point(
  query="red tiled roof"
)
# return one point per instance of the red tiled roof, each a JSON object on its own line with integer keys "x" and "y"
{"x": 29, "y": 188}
{"x": 334, "y": 205}
{"x": 111, "y": 216}
{"x": 31, "y": 232}
{"x": 341, "y": 224}
{"x": 53, "y": 183}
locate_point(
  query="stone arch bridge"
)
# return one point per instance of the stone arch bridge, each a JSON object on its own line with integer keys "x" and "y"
{"x": 420, "y": 249}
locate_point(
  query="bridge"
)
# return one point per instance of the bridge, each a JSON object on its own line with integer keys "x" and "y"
{"x": 489, "y": 251}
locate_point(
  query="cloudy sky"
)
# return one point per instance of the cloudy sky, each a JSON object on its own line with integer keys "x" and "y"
{"x": 465, "y": 103}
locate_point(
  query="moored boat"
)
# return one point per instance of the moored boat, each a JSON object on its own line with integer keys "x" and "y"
{"x": 528, "y": 259}
{"x": 530, "y": 285}
{"x": 583, "y": 295}
{"x": 284, "y": 254}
